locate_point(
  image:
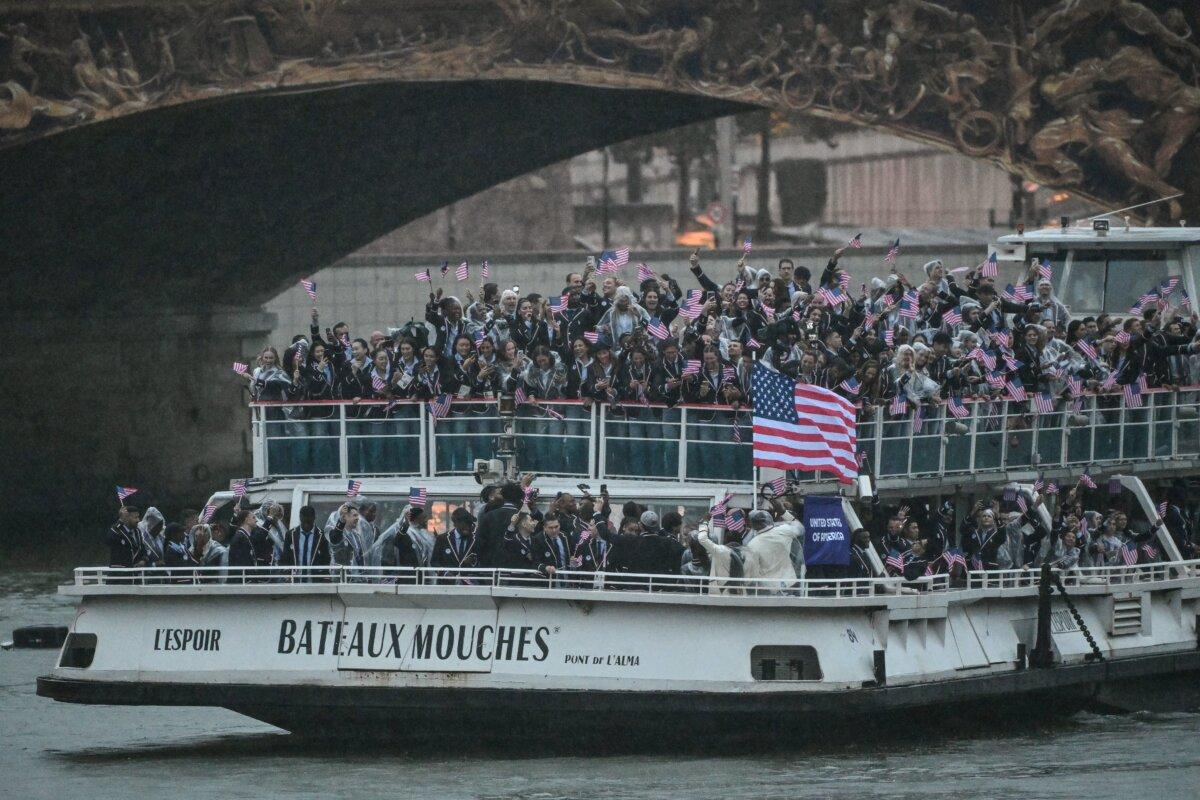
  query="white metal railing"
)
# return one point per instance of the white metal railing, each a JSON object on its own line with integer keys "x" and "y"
{"x": 483, "y": 578}
{"x": 1086, "y": 576}
{"x": 697, "y": 443}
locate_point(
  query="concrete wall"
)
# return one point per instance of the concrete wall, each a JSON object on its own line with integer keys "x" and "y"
{"x": 148, "y": 401}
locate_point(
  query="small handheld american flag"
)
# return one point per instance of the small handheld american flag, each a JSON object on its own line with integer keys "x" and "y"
{"x": 1045, "y": 271}
{"x": 487, "y": 269}
{"x": 658, "y": 330}
{"x": 735, "y": 521}
{"x": 592, "y": 337}
{"x": 1162, "y": 509}
{"x": 737, "y": 431}
{"x": 310, "y": 286}
{"x": 463, "y": 272}
{"x": 856, "y": 241}
{"x": 519, "y": 396}
{"x": 778, "y": 485}
{"x": 378, "y": 383}
{"x": 124, "y": 492}
{"x": 952, "y": 317}
{"x": 1087, "y": 480}
{"x": 353, "y": 487}
{"x": 892, "y": 252}
{"x": 1044, "y": 403}
{"x": 559, "y": 304}
{"x": 1133, "y": 397}
{"x": 958, "y": 409}
{"x": 418, "y": 496}
{"x": 1016, "y": 389}
{"x": 746, "y": 246}
{"x": 445, "y": 268}
{"x": 207, "y": 514}
{"x": 989, "y": 268}
{"x": 644, "y": 273}
{"x": 439, "y": 407}
{"x": 239, "y": 488}
{"x": 240, "y": 368}
{"x": 899, "y": 405}
{"x": 692, "y": 367}
{"x": 425, "y": 275}
{"x": 850, "y": 385}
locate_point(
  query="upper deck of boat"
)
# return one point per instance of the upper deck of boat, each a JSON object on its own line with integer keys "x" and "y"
{"x": 696, "y": 445}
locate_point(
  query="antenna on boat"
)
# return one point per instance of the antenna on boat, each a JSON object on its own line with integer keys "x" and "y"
{"x": 1139, "y": 205}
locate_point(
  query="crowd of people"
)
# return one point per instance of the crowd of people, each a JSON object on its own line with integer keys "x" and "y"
{"x": 899, "y": 344}
{"x": 512, "y": 528}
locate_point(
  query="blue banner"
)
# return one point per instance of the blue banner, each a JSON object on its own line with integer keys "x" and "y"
{"x": 826, "y": 534}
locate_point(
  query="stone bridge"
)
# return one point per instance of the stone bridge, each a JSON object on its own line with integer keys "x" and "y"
{"x": 168, "y": 164}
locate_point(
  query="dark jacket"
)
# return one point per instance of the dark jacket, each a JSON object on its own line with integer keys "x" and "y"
{"x": 492, "y": 527}
{"x": 241, "y": 549}
{"x": 125, "y": 547}
{"x": 291, "y": 547}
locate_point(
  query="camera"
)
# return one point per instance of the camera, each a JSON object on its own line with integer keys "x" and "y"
{"x": 487, "y": 470}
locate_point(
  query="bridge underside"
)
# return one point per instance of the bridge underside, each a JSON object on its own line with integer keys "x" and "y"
{"x": 223, "y": 203}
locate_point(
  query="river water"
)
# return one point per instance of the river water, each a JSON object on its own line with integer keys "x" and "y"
{"x": 55, "y": 750}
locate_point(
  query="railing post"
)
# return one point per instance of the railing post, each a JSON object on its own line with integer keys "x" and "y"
{"x": 603, "y": 468}
{"x": 1123, "y": 418}
{"x": 422, "y": 445}
{"x": 343, "y": 445}
{"x": 681, "y": 468}
{"x": 1004, "y": 434}
{"x": 258, "y": 454}
{"x": 973, "y": 434}
{"x": 593, "y": 470}
{"x": 878, "y": 455}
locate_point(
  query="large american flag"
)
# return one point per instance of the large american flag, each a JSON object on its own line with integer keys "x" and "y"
{"x": 801, "y": 426}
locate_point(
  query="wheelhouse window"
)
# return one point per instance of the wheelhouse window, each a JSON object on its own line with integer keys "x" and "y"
{"x": 1113, "y": 280}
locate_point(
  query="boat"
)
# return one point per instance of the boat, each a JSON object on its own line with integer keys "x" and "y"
{"x": 499, "y": 656}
